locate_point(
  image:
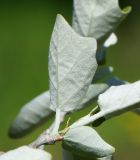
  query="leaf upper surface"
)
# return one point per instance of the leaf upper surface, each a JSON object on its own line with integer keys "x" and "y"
{"x": 26, "y": 153}
{"x": 119, "y": 99}
{"x": 97, "y": 18}
{"x": 72, "y": 65}
{"x": 31, "y": 114}
{"x": 86, "y": 142}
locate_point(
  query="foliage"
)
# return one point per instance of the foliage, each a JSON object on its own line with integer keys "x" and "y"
{"x": 78, "y": 75}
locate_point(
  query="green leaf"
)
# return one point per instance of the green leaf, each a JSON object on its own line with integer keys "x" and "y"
{"x": 86, "y": 142}
{"x": 119, "y": 99}
{"x": 70, "y": 69}
{"x": 31, "y": 115}
{"x": 97, "y": 18}
{"x": 26, "y": 153}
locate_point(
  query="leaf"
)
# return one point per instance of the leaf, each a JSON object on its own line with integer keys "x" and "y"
{"x": 119, "y": 99}
{"x": 26, "y": 153}
{"x": 86, "y": 142}
{"x": 30, "y": 115}
{"x": 72, "y": 65}
{"x": 98, "y": 18}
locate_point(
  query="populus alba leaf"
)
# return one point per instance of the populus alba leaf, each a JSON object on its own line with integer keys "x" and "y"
{"x": 119, "y": 99}
{"x": 26, "y": 153}
{"x": 31, "y": 114}
{"x": 86, "y": 142}
{"x": 98, "y": 18}
{"x": 72, "y": 65}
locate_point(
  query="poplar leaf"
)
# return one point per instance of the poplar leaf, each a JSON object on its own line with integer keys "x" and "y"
{"x": 26, "y": 153}
{"x": 72, "y": 65}
{"x": 86, "y": 142}
{"x": 31, "y": 114}
{"x": 98, "y": 18}
{"x": 119, "y": 99}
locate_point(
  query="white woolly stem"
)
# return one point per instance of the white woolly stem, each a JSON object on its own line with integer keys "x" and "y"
{"x": 57, "y": 121}
{"x": 87, "y": 120}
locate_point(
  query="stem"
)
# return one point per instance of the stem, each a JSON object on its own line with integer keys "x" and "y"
{"x": 57, "y": 121}
{"x": 87, "y": 120}
{"x": 47, "y": 133}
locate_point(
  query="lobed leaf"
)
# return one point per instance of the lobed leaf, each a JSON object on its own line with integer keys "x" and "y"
{"x": 86, "y": 142}
{"x": 70, "y": 69}
{"x": 26, "y": 153}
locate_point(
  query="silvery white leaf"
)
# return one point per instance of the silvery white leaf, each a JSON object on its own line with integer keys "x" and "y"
{"x": 97, "y": 18}
{"x": 72, "y": 65}
{"x": 119, "y": 99}
{"x": 86, "y": 142}
{"x": 31, "y": 114}
{"x": 26, "y": 153}
{"x": 112, "y": 40}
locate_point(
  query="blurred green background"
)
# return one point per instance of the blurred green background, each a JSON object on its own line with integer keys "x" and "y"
{"x": 25, "y": 30}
